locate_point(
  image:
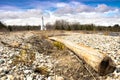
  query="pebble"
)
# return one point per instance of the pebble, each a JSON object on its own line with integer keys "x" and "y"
{"x": 6, "y": 71}
{"x": 118, "y": 70}
{"x": 27, "y": 71}
{"x": 3, "y": 78}
{"x": 1, "y": 48}
{"x": 1, "y": 70}
{"x": 59, "y": 78}
{"x": 10, "y": 61}
{"x": 49, "y": 78}
{"x": 108, "y": 78}
{"x": 10, "y": 77}
{"x": 29, "y": 77}
{"x": 2, "y": 61}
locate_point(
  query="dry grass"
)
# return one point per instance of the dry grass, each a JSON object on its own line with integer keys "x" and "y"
{"x": 25, "y": 57}
{"x": 106, "y": 33}
{"x": 43, "y": 70}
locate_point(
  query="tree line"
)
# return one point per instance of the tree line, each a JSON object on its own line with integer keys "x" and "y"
{"x": 4, "y": 27}
{"x": 62, "y": 25}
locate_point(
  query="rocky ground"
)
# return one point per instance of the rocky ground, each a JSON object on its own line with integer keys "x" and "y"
{"x": 31, "y": 56}
{"x": 106, "y": 44}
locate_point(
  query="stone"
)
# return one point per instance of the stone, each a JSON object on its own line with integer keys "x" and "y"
{"x": 10, "y": 77}
{"x": 49, "y": 78}
{"x": 1, "y": 70}
{"x": 15, "y": 44}
{"x": 3, "y": 78}
{"x": 40, "y": 77}
{"x": 59, "y": 78}
{"x": 10, "y": 61}
{"x": 2, "y": 74}
{"x": 118, "y": 70}
{"x": 108, "y": 78}
{"x": 1, "y": 48}
{"x": 27, "y": 71}
{"x": 1, "y": 61}
{"x": 6, "y": 71}
{"x": 29, "y": 77}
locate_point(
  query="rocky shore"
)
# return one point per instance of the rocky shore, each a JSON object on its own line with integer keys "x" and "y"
{"x": 31, "y": 56}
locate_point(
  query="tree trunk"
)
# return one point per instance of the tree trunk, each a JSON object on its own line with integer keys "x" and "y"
{"x": 98, "y": 61}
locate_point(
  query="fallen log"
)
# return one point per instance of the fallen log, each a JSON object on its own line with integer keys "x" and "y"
{"x": 98, "y": 61}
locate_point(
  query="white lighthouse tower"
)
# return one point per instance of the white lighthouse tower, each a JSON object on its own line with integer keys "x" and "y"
{"x": 42, "y": 25}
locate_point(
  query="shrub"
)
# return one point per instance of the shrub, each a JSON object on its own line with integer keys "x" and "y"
{"x": 59, "y": 45}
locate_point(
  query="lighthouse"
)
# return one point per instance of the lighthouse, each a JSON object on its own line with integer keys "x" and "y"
{"x": 42, "y": 25}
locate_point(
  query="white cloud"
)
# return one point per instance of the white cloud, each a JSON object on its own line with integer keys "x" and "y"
{"x": 25, "y": 21}
{"x": 62, "y": 4}
{"x": 72, "y": 12}
{"x": 7, "y": 7}
{"x": 93, "y": 18}
{"x": 43, "y": 5}
{"x": 77, "y": 7}
{"x": 20, "y": 14}
{"x": 103, "y": 8}
{"x": 99, "y": 15}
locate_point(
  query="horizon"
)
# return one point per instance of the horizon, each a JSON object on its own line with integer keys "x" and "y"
{"x": 29, "y": 12}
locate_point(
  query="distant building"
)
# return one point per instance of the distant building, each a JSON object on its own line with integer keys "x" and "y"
{"x": 42, "y": 25}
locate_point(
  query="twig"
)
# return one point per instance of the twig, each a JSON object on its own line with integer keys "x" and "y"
{"x": 84, "y": 66}
{"x": 90, "y": 72}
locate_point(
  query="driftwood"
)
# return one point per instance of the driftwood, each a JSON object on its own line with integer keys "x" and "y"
{"x": 98, "y": 61}
{"x": 13, "y": 44}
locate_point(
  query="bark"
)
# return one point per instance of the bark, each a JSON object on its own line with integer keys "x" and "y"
{"x": 98, "y": 61}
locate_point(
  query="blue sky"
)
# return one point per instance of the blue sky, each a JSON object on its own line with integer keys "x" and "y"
{"x": 27, "y": 3}
{"x": 22, "y": 12}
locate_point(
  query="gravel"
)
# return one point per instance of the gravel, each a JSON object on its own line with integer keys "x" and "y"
{"x": 15, "y": 65}
{"x": 51, "y": 63}
{"x": 106, "y": 44}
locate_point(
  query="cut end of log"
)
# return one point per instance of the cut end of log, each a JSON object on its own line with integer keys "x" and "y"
{"x": 106, "y": 66}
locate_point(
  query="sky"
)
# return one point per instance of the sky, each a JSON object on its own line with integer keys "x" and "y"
{"x": 29, "y": 12}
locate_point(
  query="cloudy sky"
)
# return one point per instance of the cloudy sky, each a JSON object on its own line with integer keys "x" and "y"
{"x": 29, "y": 12}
